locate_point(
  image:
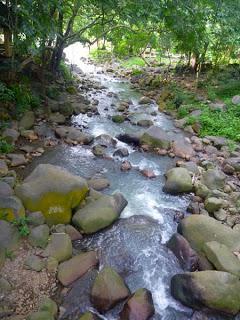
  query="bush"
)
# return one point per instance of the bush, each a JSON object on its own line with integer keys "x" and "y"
{"x": 101, "y": 55}
{"x": 133, "y": 62}
{"x": 5, "y": 147}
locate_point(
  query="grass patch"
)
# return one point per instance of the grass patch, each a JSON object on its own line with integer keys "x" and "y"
{"x": 133, "y": 62}
{"x": 5, "y": 147}
{"x": 221, "y": 123}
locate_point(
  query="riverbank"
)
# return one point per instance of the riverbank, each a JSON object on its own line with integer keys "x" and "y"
{"x": 99, "y": 157}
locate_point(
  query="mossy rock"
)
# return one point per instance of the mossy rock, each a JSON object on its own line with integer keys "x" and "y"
{"x": 216, "y": 290}
{"x": 178, "y": 181}
{"x": 11, "y": 208}
{"x": 118, "y": 118}
{"x": 71, "y": 90}
{"x": 155, "y": 137}
{"x": 89, "y": 316}
{"x": 53, "y": 191}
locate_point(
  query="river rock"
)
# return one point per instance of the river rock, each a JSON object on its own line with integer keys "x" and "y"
{"x": 48, "y": 305}
{"x": 59, "y": 247}
{"x": 199, "y": 229}
{"x": 11, "y": 208}
{"x": 76, "y": 267}
{"x": 73, "y": 233}
{"x": 39, "y": 235}
{"x": 35, "y": 263}
{"x": 118, "y": 118}
{"x": 126, "y": 166}
{"x": 178, "y": 181}
{"x": 100, "y": 213}
{"x": 128, "y": 138}
{"x": 121, "y": 152}
{"x": 155, "y": 137}
{"x": 187, "y": 257}
{"x": 3, "y": 168}
{"x": 57, "y": 118}
{"x": 222, "y": 258}
{"x": 27, "y": 121}
{"x": 98, "y": 184}
{"x": 201, "y": 190}
{"x": 17, "y": 159}
{"x": 108, "y": 289}
{"x": 145, "y": 100}
{"x": 36, "y": 218}
{"x": 106, "y": 140}
{"x": 145, "y": 123}
{"x": 89, "y": 316}
{"x": 40, "y": 315}
{"x": 73, "y": 134}
{"x": 148, "y": 173}
{"x": 5, "y": 189}
{"x": 99, "y": 151}
{"x": 213, "y": 179}
{"x": 10, "y": 135}
{"x": 53, "y": 191}
{"x": 216, "y": 290}
{"x": 9, "y": 236}
{"x": 183, "y": 149}
{"x": 213, "y": 204}
{"x": 139, "y": 306}
{"x": 234, "y": 163}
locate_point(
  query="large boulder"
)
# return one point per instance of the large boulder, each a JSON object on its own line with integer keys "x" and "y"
{"x": 53, "y": 191}
{"x": 178, "y": 181}
{"x": 139, "y": 306}
{"x": 108, "y": 289}
{"x": 76, "y": 267}
{"x": 222, "y": 257}
{"x": 11, "y": 208}
{"x": 73, "y": 134}
{"x": 212, "y": 289}
{"x": 199, "y": 229}
{"x": 155, "y": 137}
{"x": 214, "y": 179}
{"x": 187, "y": 257}
{"x": 59, "y": 247}
{"x": 100, "y": 213}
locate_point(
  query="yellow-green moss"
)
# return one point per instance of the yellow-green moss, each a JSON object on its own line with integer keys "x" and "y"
{"x": 9, "y": 214}
{"x": 57, "y": 207}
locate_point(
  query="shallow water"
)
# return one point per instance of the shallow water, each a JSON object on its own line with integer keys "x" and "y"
{"x": 134, "y": 247}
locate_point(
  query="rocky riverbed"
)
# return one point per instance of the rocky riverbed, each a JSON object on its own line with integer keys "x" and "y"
{"x": 125, "y": 211}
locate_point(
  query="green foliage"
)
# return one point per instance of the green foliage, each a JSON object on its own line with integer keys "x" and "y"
{"x": 190, "y": 121}
{"x": 221, "y": 123}
{"x": 101, "y": 55}
{"x": 133, "y": 62}
{"x": 22, "y": 226}
{"x": 66, "y": 72}
{"x": 9, "y": 254}
{"x": 137, "y": 72}
{"x": 5, "y": 147}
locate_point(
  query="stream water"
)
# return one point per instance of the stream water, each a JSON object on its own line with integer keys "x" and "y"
{"x": 135, "y": 245}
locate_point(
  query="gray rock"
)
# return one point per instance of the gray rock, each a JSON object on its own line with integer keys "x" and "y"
{"x": 178, "y": 181}
{"x": 214, "y": 179}
{"x": 121, "y": 152}
{"x": 48, "y": 305}
{"x": 35, "y": 263}
{"x": 57, "y": 118}
{"x": 98, "y": 183}
{"x": 9, "y": 236}
{"x": 212, "y": 289}
{"x": 36, "y": 218}
{"x": 222, "y": 258}
{"x": 5, "y": 189}
{"x": 10, "y": 135}
{"x": 11, "y": 208}
{"x": 145, "y": 100}
{"x": 39, "y": 235}
{"x": 27, "y": 121}
{"x": 213, "y": 204}
{"x": 3, "y": 168}
{"x": 59, "y": 247}
{"x": 155, "y": 137}
{"x": 17, "y": 159}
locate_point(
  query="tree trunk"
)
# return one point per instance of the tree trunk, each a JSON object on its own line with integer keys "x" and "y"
{"x": 8, "y": 43}
{"x": 57, "y": 57}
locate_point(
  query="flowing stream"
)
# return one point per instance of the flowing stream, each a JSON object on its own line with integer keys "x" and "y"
{"x": 135, "y": 245}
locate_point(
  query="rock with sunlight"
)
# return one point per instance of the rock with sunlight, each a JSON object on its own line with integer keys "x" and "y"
{"x": 178, "y": 181}
{"x": 139, "y": 306}
{"x": 200, "y": 229}
{"x": 11, "y": 208}
{"x": 156, "y": 137}
{"x": 108, "y": 289}
{"x": 53, "y": 191}
{"x": 216, "y": 290}
{"x": 99, "y": 214}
